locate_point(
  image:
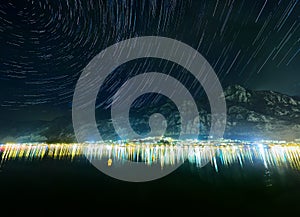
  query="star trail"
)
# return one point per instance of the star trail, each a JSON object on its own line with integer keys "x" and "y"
{"x": 46, "y": 44}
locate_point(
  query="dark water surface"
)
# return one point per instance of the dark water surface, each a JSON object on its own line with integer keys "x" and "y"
{"x": 59, "y": 183}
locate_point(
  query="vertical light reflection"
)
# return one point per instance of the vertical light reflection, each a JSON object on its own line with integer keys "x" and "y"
{"x": 270, "y": 155}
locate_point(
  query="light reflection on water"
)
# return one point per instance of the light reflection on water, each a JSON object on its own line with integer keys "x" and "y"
{"x": 270, "y": 155}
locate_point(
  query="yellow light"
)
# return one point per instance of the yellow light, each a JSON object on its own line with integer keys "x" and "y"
{"x": 109, "y": 162}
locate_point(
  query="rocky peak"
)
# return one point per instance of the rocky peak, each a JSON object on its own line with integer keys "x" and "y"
{"x": 237, "y": 93}
{"x": 274, "y": 98}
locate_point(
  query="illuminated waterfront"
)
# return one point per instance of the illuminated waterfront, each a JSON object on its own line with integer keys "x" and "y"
{"x": 283, "y": 155}
{"x": 262, "y": 175}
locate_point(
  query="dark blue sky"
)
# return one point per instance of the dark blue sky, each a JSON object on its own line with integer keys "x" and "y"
{"x": 46, "y": 44}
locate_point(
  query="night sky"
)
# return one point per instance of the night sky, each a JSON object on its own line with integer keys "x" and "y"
{"x": 45, "y": 45}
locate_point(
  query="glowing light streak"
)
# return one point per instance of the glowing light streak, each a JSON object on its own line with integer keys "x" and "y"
{"x": 271, "y": 155}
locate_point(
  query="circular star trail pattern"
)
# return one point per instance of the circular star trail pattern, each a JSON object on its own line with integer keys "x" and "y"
{"x": 46, "y": 44}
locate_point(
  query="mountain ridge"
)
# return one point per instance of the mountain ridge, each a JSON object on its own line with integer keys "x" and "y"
{"x": 251, "y": 114}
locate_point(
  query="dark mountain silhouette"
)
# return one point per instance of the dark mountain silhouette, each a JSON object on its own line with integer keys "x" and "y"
{"x": 250, "y": 115}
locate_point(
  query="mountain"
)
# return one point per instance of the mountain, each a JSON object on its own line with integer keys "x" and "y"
{"x": 250, "y": 115}
{"x": 261, "y": 114}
